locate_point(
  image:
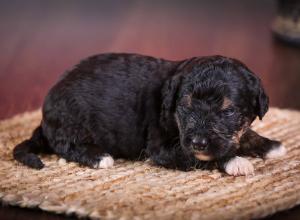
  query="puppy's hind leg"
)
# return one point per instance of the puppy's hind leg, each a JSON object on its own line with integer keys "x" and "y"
{"x": 87, "y": 155}
{"x": 252, "y": 144}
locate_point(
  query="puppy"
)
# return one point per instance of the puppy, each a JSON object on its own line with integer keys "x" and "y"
{"x": 188, "y": 114}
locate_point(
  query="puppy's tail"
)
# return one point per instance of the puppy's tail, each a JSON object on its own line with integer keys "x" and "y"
{"x": 26, "y": 152}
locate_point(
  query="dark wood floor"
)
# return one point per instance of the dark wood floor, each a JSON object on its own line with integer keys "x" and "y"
{"x": 41, "y": 39}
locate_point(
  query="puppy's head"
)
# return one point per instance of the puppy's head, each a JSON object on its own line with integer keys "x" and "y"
{"x": 212, "y": 101}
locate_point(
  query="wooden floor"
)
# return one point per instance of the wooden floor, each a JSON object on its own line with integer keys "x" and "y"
{"x": 39, "y": 40}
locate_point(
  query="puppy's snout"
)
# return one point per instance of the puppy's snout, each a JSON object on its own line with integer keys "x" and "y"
{"x": 199, "y": 143}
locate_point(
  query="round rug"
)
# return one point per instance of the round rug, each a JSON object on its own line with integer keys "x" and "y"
{"x": 137, "y": 190}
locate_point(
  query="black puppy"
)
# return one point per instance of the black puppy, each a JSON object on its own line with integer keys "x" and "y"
{"x": 183, "y": 115}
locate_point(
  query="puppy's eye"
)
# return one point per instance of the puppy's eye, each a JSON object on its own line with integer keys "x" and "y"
{"x": 228, "y": 112}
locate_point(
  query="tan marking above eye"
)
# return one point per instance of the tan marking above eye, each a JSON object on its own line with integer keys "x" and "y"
{"x": 186, "y": 100}
{"x": 226, "y": 103}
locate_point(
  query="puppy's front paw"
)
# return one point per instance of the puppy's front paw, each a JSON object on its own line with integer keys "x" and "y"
{"x": 105, "y": 162}
{"x": 239, "y": 166}
{"x": 277, "y": 151}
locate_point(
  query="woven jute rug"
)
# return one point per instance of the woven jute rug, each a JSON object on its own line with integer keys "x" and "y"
{"x": 137, "y": 190}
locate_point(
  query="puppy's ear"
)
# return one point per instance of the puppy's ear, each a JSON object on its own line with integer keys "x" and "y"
{"x": 169, "y": 96}
{"x": 262, "y": 102}
{"x": 259, "y": 100}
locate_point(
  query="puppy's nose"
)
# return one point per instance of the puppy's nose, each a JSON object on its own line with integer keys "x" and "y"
{"x": 200, "y": 143}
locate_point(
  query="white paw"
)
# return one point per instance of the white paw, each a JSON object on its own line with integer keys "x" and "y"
{"x": 276, "y": 152}
{"x": 105, "y": 162}
{"x": 62, "y": 162}
{"x": 239, "y": 166}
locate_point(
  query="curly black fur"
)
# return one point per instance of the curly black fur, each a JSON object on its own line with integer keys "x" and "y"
{"x": 133, "y": 106}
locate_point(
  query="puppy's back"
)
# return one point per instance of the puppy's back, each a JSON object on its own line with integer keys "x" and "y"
{"x": 102, "y": 100}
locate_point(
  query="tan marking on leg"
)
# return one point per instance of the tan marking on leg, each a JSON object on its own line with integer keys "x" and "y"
{"x": 237, "y": 136}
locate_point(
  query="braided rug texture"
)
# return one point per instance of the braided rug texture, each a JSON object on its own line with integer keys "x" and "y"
{"x": 137, "y": 190}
